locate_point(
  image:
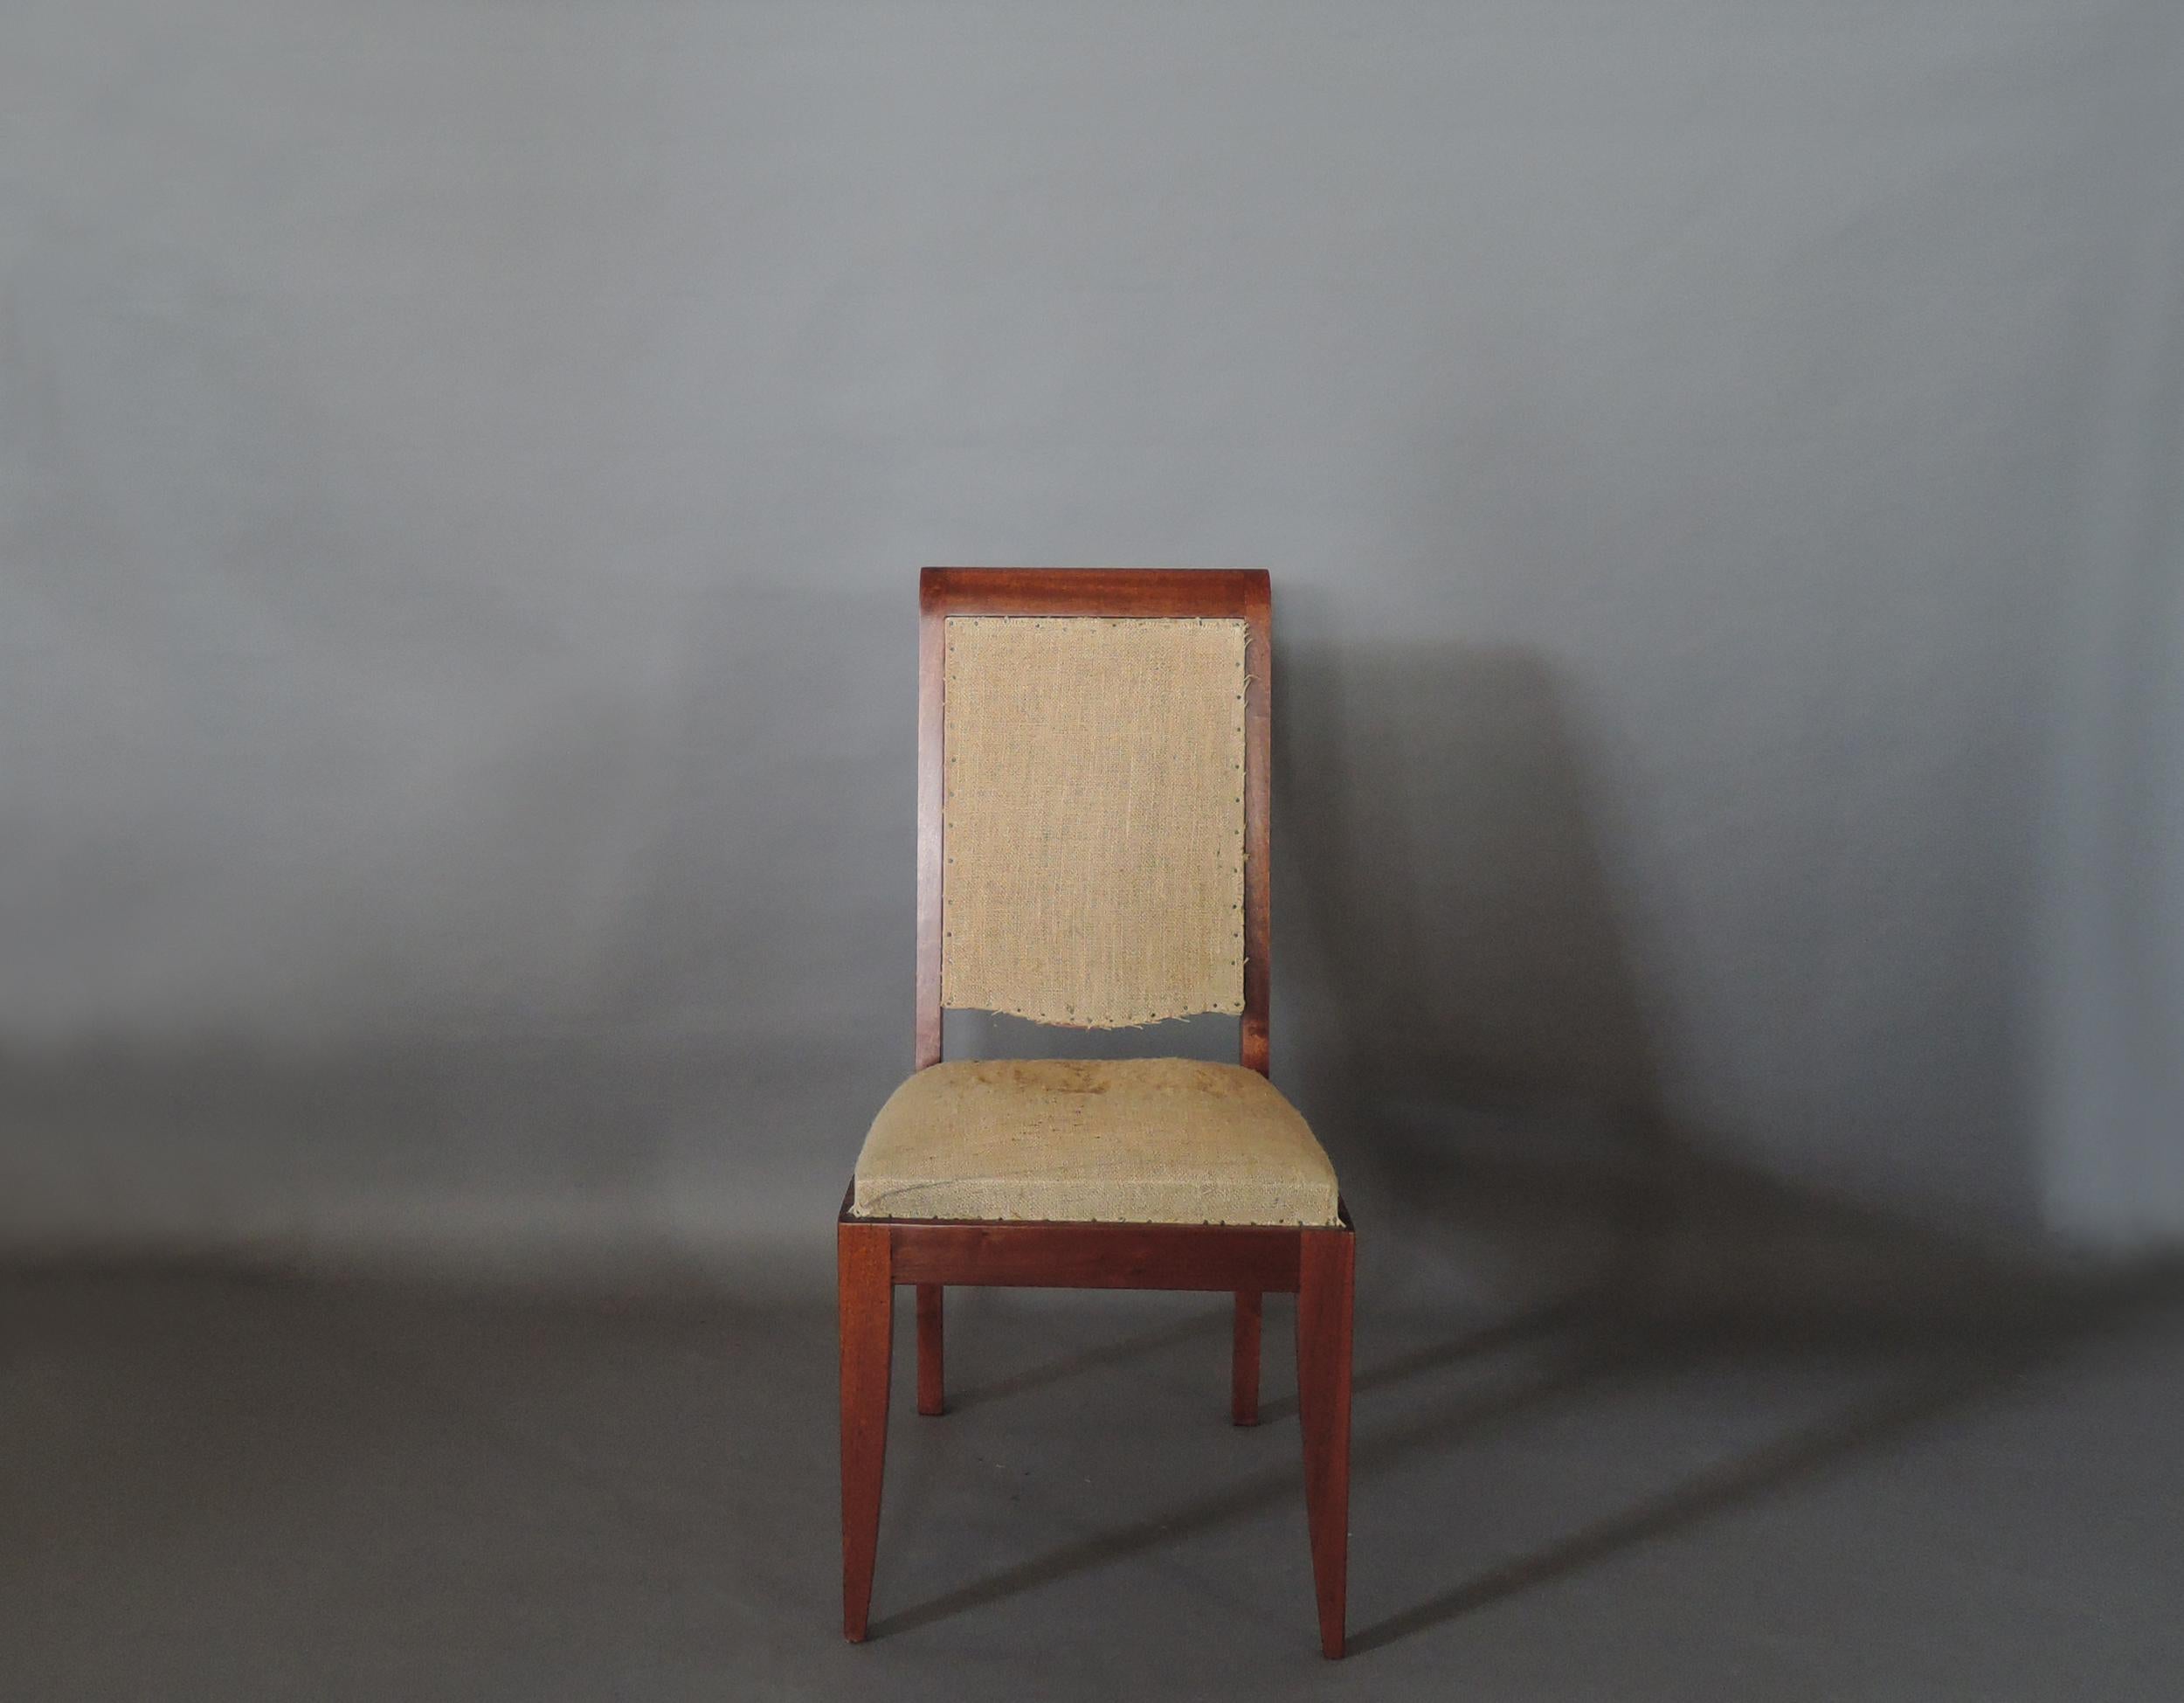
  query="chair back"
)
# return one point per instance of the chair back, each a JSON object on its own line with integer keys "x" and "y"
{"x": 1093, "y": 834}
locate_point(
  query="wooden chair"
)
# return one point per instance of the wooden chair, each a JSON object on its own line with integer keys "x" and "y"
{"x": 1092, "y": 850}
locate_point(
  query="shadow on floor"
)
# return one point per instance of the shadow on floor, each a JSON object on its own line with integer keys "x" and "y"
{"x": 1972, "y": 1368}
{"x": 1747, "y": 1479}
{"x": 1249, "y": 1495}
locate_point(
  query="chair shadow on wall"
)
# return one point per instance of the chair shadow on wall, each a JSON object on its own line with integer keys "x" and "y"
{"x": 1486, "y": 1068}
{"x": 1461, "y": 1015}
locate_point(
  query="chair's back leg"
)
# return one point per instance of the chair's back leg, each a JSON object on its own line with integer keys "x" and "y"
{"x": 867, "y": 1345}
{"x": 932, "y": 1386}
{"x": 1243, "y": 1374}
{"x": 1325, "y": 1278}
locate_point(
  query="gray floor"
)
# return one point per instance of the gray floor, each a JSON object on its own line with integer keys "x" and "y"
{"x": 231, "y": 1489}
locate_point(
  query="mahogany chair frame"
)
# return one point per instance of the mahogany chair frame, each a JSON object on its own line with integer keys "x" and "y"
{"x": 877, "y": 1256}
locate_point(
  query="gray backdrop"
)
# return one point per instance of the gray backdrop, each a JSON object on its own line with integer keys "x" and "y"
{"x": 463, "y": 468}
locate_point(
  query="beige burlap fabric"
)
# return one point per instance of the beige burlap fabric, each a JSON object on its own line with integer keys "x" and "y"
{"x": 1093, "y": 818}
{"x": 1134, "y": 1141}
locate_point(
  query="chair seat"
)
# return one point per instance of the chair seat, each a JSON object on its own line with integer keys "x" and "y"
{"x": 1134, "y": 1141}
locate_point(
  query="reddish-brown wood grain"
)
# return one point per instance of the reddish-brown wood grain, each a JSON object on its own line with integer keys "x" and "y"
{"x": 867, "y": 1294}
{"x": 932, "y": 1384}
{"x": 1243, "y": 1361}
{"x": 1041, "y": 1256}
{"x": 932, "y": 610}
{"x": 1325, "y": 1286}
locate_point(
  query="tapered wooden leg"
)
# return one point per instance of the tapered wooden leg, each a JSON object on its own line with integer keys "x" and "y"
{"x": 932, "y": 1387}
{"x": 1243, "y": 1373}
{"x": 1325, "y": 1277}
{"x": 868, "y": 1344}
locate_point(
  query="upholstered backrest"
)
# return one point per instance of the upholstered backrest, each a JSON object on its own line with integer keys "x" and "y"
{"x": 1093, "y": 819}
{"x": 1093, "y": 797}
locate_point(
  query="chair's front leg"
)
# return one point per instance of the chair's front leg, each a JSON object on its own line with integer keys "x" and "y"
{"x": 1325, "y": 1281}
{"x": 1243, "y": 1372}
{"x": 867, "y": 1345}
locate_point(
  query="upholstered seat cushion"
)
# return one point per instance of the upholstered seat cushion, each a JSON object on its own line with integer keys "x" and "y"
{"x": 1139, "y": 1140}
